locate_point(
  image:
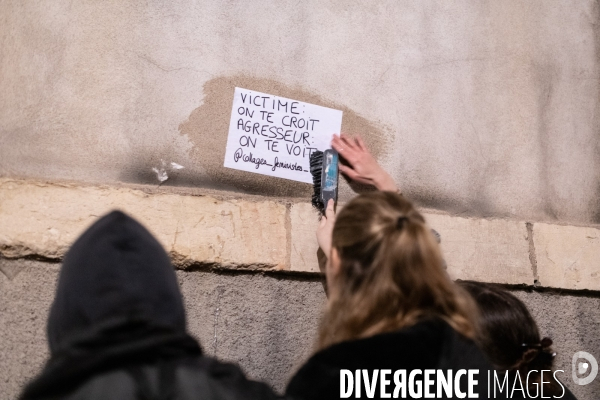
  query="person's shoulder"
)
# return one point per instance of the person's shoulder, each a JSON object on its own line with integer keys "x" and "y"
{"x": 193, "y": 378}
{"x": 222, "y": 380}
{"x": 114, "y": 384}
{"x": 420, "y": 343}
{"x": 414, "y": 347}
{"x": 460, "y": 352}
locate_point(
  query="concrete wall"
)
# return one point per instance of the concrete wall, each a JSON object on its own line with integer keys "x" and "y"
{"x": 480, "y": 108}
{"x": 486, "y": 113}
{"x": 266, "y": 323}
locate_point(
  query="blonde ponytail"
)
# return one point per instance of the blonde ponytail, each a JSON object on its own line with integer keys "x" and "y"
{"x": 391, "y": 273}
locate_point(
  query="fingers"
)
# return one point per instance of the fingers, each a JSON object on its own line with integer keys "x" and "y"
{"x": 355, "y": 144}
{"x": 361, "y": 144}
{"x": 329, "y": 211}
{"x": 335, "y": 142}
{"x": 343, "y": 141}
{"x": 349, "y": 172}
{"x": 338, "y": 145}
{"x": 347, "y": 141}
{"x": 346, "y": 149}
{"x": 323, "y": 222}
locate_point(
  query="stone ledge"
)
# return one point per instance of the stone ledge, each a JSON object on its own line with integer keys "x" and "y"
{"x": 42, "y": 220}
{"x": 568, "y": 257}
{"x": 474, "y": 249}
{"x": 304, "y": 247}
{"x": 495, "y": 251}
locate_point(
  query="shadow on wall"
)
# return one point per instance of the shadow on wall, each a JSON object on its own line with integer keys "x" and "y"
{"x": 208, "y": 126}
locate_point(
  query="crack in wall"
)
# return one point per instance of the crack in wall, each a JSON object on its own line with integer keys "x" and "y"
{"x": 532, "y": 254}
{"x": 288, "y": 230}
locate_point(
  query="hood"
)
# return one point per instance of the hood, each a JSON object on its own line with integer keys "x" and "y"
{"x": 117, "y": 304}
{"x": 116, "y": 271}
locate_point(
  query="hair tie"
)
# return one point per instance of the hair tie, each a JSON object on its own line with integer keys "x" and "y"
{"x": 543, "y": 344}
{"x": 536, "y": 351}
{"x": 546, "y": 342}
{"x": 400, "y": 222}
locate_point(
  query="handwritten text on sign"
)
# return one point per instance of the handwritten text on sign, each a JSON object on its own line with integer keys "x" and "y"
{"x": 275, "y": 136}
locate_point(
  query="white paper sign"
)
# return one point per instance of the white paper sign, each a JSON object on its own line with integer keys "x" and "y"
{"x": 275, "y": 136}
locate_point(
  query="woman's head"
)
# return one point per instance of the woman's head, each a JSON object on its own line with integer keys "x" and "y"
{"x": 386, "y": 272}
{"x": 508, "y": 334}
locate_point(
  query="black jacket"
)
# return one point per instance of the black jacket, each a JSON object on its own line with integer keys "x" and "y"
{"x": 430, "y": 344}
{"x": 117, "y": 327}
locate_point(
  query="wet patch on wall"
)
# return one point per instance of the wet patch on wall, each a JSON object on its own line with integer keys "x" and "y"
{"x": 208, "y": 126}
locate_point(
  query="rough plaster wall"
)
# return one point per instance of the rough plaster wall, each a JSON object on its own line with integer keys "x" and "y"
{"x": 267, "y": 324}
{"x": 26, "y": 292}
{"x": 573, "y": 323}
{"x": 478, "y": 107}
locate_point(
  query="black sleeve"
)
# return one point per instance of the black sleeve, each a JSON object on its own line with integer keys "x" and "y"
{"x": 230, "y": 381}
{"x": 314, "y": 381}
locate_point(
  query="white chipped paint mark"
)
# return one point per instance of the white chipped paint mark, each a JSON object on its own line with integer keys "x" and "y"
{"x": 162, "y": 170}
{"x": 161, "y": 174}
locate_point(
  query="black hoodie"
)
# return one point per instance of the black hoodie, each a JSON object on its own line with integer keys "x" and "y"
{"x": 430, "y": 345}
{"x": 117, "y": 326}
